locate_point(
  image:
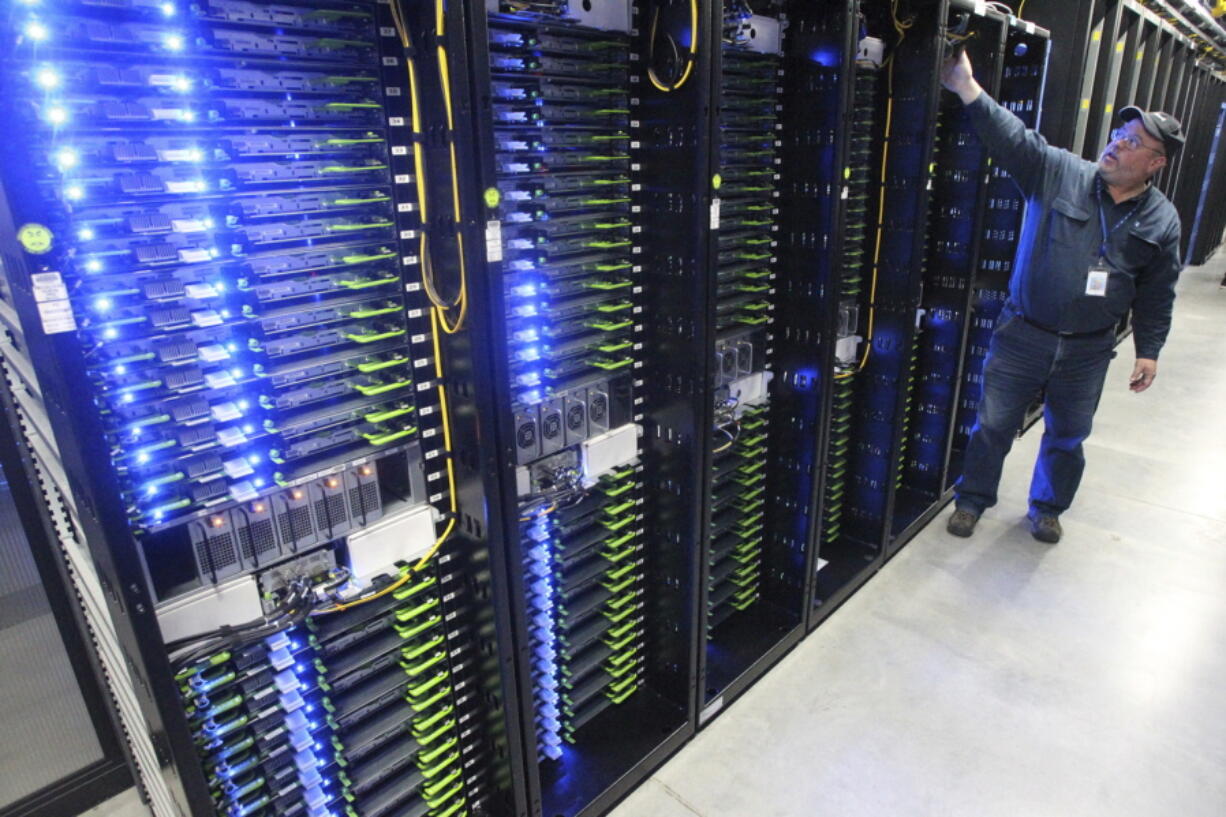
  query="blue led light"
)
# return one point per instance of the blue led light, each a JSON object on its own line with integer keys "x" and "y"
{"x": 110, "y": 333}
{"x": 47, "y": 79}
{"x": 254, "y": 459}
{"x": 244, "y": 405}
{"x": 248, "y": 428}
{"x": 151, "y": 490}
{"x": 57, "y": 115}
{"x": 173, "y": 42}
{"x": 236, "y": 372}
{"x": 168, "y": 9}
{"x": 66, "y": 158}
{"x": 74, "y": 193}
{"x": 121, "y": 369}
{"x": 103, "y": 304}
{"x": 142, "y": 457}
{"x": 129, "y": 397}
{"x": 93, "y": 265}
{"x": 259, "y": 482}
{"x": 86, "y": 234}
{"x": 36, "y": 31}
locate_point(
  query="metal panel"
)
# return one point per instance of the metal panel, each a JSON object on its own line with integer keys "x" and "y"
{"x": 1098, "y": 32}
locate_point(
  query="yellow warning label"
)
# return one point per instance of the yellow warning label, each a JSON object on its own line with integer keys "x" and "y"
{"x": 1096, "y": 36}
{"x": 1110, "y": 107}
{"x": 1119, "y": 48}
{"x": 1085, "y": 104}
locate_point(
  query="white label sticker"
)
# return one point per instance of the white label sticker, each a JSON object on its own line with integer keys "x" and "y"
{"x": 1029, "y": 28}
{"x": 57, "y": 317}
{"x": 385, "y": 31}
{"x": 402, "y": 178}
{"x": 391, "y": 61}
{"x": 400, "y": 150}
{"x": 715, "y": 214}
{"x": 404, "y": 207}
{"x": 396, "y": 121}
{"x": 48, "y": 286}
{"x": 392, "y": 90}
{"x": 493, "y": 241}
{"x": 408, "y": 235}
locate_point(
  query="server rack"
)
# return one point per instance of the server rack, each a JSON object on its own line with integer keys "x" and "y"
{"x": 871, "y": 380}
{"x": 220, "y": 357}
{"x": 957, "y": 239}
{"x": 1210, "y": 220}
{"x": 777, "y": 159}
{"x": 1021, "y": 90}
{"x": 594, "y": 466}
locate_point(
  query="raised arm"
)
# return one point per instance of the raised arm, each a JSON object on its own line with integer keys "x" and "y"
{"x": 1022, "y": 152}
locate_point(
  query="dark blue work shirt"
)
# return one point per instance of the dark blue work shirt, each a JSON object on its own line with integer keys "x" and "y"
{"x": 1062, "y": 233}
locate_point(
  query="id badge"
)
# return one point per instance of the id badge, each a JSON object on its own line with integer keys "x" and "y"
{"x": 1096, "y": 281}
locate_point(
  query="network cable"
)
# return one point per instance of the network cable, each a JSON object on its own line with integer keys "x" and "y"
{"x": 668, "y": 87}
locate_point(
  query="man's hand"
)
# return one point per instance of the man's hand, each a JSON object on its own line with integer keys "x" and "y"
{"x": 1143, "y": 374}
{"x": 958, "y": 76}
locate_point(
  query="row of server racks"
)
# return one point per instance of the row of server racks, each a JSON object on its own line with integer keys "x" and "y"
{"x": 447, "y": 408}
{"x": 1145, "y": 53}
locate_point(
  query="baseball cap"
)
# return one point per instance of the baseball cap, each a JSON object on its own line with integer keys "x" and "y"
{"x": 1159, "y": 125}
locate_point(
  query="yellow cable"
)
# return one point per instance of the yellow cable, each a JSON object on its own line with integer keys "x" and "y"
{"x": 689, "y": 63}
{"x": 872, "y": 293}
{"x": 419, "y": 163}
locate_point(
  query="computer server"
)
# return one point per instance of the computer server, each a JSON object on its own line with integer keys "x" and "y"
{"x": 1023, "y": 68}
{"x": 222, "y": 357}
{"x": 961, "y": 174}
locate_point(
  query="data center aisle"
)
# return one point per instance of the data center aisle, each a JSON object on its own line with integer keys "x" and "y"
{"x": 1000, "y": 676}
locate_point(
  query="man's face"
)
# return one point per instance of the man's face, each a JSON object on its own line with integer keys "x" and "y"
{"x": 1123, "y": 165}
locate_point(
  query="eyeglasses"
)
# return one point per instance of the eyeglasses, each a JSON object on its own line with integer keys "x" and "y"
{"x": 1130, "y": 141}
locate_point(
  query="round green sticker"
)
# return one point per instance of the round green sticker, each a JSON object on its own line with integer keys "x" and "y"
{"x": 492, "y": 197}
{"x": 716, "y": 181}
{"x": 35, "y": 238}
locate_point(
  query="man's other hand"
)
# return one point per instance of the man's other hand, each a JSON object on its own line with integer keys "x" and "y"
{"x": 958, "y": 76}
{"x": 1143, "y": 374}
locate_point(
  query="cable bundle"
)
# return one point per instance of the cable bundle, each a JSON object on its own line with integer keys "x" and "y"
{"x": 583, "y": 557}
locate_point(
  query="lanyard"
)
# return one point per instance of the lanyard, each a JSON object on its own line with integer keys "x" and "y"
{"x": 1102, "y": 217}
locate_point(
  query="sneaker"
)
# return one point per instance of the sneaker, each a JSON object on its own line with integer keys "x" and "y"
{"x": 962, "y": 523}
{"x": 1044, "y": 527}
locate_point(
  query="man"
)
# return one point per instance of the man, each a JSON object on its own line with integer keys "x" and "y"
{"x": 1097, "y": 240}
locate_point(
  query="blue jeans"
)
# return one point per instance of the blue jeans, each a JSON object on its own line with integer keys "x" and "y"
{"x": 1023, "y": 359}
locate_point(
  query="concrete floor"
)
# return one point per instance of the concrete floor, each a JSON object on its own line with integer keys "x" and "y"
{"x": 1000, "y": 676}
